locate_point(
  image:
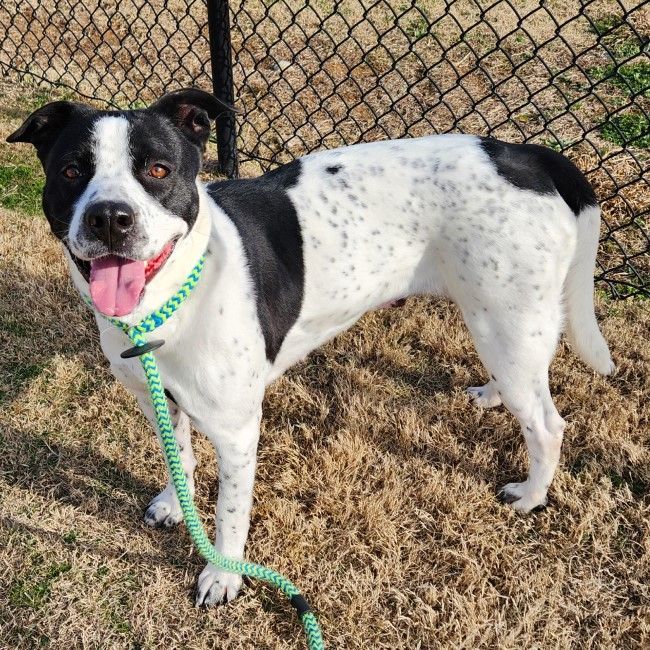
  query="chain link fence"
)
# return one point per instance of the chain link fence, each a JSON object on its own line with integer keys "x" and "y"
{"x": 308, "y": 74}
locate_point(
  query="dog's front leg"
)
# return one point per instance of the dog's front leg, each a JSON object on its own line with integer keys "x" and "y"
{"x": 164, "y": 510}
{"x": 236, "y": 456}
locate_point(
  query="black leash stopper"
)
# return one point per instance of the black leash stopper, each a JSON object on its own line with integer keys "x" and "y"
{"x": 139, "y": 350}
{"x": 301, "y": 605}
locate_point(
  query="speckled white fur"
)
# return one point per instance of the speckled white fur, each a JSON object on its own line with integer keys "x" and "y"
{"x": 423, "y": 216}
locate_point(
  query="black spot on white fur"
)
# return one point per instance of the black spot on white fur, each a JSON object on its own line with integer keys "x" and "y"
{"x": 541, "y": 170}
{"x": 268, "y": 225}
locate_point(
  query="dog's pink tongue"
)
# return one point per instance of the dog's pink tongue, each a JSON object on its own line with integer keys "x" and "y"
{"x": 116, "y": 284}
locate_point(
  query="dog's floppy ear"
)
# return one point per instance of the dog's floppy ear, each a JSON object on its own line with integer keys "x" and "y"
{"x": 191, "y": 110}
{"x": 42, "y": 126}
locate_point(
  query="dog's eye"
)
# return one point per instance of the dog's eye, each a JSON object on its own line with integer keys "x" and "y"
{"x": 158, "y": 171}
{"x": 71, "y": 172}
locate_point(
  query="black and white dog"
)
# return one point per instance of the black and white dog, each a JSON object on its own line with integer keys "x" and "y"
{"x": 509, "y": 232}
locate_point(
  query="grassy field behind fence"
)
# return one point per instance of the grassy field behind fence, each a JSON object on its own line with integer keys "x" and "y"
{"x": 569, "y": 74}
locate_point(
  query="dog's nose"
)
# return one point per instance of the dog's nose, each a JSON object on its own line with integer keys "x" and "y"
{"x": 110, "y": 221}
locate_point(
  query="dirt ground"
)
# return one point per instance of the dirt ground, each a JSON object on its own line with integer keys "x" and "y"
{"x": 375, "y": 488}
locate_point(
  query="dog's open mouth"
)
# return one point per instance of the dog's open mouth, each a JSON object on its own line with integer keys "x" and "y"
{"x": 117, "y": 283}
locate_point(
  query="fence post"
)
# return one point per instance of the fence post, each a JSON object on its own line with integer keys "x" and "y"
{"x": 222, "y": 84}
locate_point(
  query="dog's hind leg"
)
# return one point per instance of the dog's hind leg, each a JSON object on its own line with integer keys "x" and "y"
{"x": 543, "y": 430}
{"x": 517, "y": 352}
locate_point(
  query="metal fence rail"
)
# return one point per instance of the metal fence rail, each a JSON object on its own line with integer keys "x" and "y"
{"x": 308, "y": 74}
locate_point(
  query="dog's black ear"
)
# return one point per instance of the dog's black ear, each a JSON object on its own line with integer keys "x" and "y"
{"x": 191, "y": 109}
{"x": 42, "y": 126}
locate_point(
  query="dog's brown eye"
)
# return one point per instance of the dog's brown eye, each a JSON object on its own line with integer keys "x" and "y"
{"x": 71, "y": 172}
{"x": 158, "y": 171}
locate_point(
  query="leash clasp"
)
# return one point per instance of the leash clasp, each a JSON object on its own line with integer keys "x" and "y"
{"x": 139, "y": 350}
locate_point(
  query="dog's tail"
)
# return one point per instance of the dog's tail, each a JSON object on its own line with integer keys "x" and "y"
{"x": 583, "y": 331}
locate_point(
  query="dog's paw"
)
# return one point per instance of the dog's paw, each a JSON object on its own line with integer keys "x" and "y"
{"x": 519, "y": 497}
{"x": 215, "y": 587}
{"x": 484, "y": 396}
{"x": 163, "y": 511}
{"x": 609, "y": 368}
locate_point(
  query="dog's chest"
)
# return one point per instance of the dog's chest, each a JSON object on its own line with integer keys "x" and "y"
{"x": 216, "y": 361}
{"x": 212, "y": 361}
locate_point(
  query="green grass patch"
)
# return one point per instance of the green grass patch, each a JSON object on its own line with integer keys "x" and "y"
{"x": 617, "y": 36}
{"x": 417, "y": 28}
{"x": 33, "y": 590}
{"x": 633, "y": 79}
{"x": 634, "y": 291}
{"x": 413, "y": 21}
{"x": 11, "y": 324}
{"x": 557, "y": 144}
{"x": 32, "y": 638}
{"x": 118, "y": 610}
{"x": 605, "y": 23}
{"x": 39, "y": 93}
{"x": 102, "y": 571}
{"x": 119, "y": 623}
{"x": 637, "y": 486}
{"x": 15, "y": 375}
{"x": 70, "y": 537}
{"x": 630, "y": 129}
{"x": 42, "y": 96}
{"x": 21, "y": 187}
{"x": 625, "y": 47}
{"x": 22, "y": 373}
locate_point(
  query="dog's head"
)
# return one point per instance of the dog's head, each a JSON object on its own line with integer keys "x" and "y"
{"x": 120, "y": 186}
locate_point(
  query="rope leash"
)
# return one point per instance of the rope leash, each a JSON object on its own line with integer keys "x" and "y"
{"x": 144, "y": 349}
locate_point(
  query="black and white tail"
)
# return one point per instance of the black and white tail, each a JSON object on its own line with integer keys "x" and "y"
{"x": 583, "y": 331}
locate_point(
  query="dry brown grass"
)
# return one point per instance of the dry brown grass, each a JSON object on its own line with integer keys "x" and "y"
{"x": 375, "y": 490}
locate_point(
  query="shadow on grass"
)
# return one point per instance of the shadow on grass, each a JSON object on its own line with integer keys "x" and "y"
{"x": 43, "y": 318}
{"x": 175, "y": 553}
{"x": 324, "y": 373}
{"x": 73, "y": 474}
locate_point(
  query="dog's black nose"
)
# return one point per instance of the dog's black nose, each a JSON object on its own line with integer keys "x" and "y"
{"x": 110, "y": 221}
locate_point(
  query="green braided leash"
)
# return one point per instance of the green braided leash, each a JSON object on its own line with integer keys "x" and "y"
{"x": 144, "y": 349}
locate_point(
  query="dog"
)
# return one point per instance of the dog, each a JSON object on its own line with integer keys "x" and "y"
{"x": 507, "y": 231}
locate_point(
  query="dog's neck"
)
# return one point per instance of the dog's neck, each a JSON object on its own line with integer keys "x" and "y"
{"x": 186, "y": 254}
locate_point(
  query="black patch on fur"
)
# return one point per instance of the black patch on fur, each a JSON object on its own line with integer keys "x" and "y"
{"x": 333, "y": 169}
{"x": 268, "y": 225}
{"x": 82, "y": 265}
{"x": 154, "y": 138}
{"x": 542, "y": 170}
{"x": 71, "y": 144}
